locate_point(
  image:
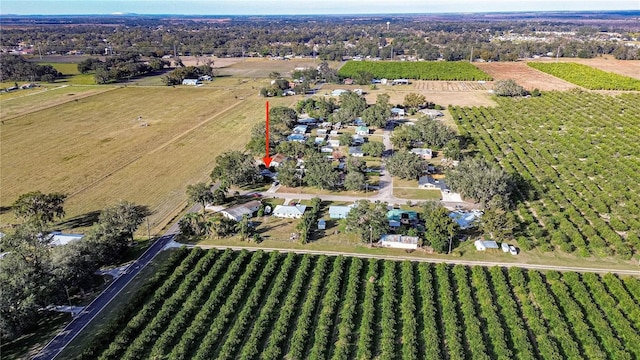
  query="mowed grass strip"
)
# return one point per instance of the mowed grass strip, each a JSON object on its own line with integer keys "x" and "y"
{"x": 21, "y": 102}
{"x": 96, "y": 150}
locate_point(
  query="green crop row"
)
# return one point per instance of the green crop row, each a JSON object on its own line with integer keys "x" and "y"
{"x": 228, "y": 305}
{"x": 588, "y": 77}
{"x": 422, "y": 70}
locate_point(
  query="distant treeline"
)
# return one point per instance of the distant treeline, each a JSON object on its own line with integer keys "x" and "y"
{"x": 335, "y": 38}
{"x": 16, "y": 68}
{"x": 116, "y": 68}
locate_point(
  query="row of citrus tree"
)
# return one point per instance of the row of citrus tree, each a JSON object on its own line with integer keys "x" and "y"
{"x": 225, "y": 304}
{"x": 573, "y": 204}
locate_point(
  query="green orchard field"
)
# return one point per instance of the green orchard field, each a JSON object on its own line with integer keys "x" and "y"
{"x": 87, "y": 142}
{"x": 578, "y": 153}
{"x": 214, "y": 304}
{"x": 421, "y": 70}
{"x": 587, "y": 76}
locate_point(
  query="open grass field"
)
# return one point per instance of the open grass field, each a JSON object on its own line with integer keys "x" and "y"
{"x": 227, "y": 304}
{"x": 94, "y": 148}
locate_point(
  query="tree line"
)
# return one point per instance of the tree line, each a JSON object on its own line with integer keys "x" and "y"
{"x": 17, "y": 68}
{"x": 119, "y": 67}
{"x": 35, "y": 274}
{"x": 323, "y": 37}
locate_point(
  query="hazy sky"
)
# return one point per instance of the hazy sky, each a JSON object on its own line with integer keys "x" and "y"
{"x": 269, "y": 7}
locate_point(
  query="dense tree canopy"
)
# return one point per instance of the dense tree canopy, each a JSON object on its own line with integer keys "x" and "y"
{"x": 236, "y": 168}
{"x": 34, "y": 274}
{"x": 480, "y": 181}
{"x": 406, "y": 165}
{"x": 319, "y": 172}
{"x": 439, "y": 227}
{"x": 368, "y": 220}
{"x": 39, "y": 206}
{"x": 373, "y": 148}
{"x": 288, "y": 173}
{"x": 200, "y": 193}
{"x": 414, "y": 101}
{"x": 318, "y": 108}
{"x": 508, "y": 88}
{"x": 378, "y": 114}
{"x": 17, "y": 68}
{"x": 176, "y": 76}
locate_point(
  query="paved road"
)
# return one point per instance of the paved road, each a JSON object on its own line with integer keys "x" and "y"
{"x": 55, "y": 346}
{"x": 436, "y": 260}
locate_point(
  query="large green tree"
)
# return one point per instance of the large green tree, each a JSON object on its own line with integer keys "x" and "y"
{"x": 434, "y": 133}
{"x": 480, "y": 180}
{"x": 413, "y": 101}
{"x": 373, "y": 148}
{"x": 355, "y": 181}
{"x": 351, "y": 106}
{"x": 236, "y": 168}
{"x": 319, "y": 172}
{"x": 38, "y": 206}
{"x": 378, "y": 114}
{"x": 497, "y": 223}
{"x": 404, "y": 136}
{"x": 368, "y": 220}
{"x": 288, "y": 173}
{"x": 200, "y": 193}
{"x": 113, "y": 233}
{"x": 406, "y": 165}
{"x": 439, "y": 227}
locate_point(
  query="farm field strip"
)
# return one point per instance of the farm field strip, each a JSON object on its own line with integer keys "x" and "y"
{"x": 111, "y": 156}
{"x": 588, "y": 77}
{"x": 16, "y": 107}
{"x": 577, "y": 163}
{"x": 422, "y": 70}
{"x": 464, "y": 312}
{"x": 524, "y": 75}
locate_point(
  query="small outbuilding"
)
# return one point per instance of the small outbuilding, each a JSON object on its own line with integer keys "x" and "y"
{"x": 482, "y": 245}
{"x": 58, "y": 238}
{"x": 191, "y": 82}
{"x": 423, "y": 153}
{"x": 399, "y": 241}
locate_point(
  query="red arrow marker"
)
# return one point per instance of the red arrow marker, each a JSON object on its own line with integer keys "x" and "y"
{"x": 267, "y": 158}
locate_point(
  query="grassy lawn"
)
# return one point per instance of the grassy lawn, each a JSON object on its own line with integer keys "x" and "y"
{"x": 22, "y": 102}
{"x": 418, "y": 194}
{"x": 312, "y": 190}
{"x": 276, "y": 234}
{"x": 29, "y": 344}
{"x": 404, "y": 183}
{"x": 110, "y": 155}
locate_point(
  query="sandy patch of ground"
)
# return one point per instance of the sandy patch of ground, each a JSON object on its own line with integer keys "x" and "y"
{"x": 524, "y": 75}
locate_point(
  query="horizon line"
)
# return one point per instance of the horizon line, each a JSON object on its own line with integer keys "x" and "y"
{"x": 334, "y": 14}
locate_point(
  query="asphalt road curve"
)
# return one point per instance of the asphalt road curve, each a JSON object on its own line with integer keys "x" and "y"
{"x": 64, "y": 338}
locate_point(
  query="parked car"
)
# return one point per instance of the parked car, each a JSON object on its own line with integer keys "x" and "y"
{"x": 505, "y": 247}
{"x": 513, "y": 250}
